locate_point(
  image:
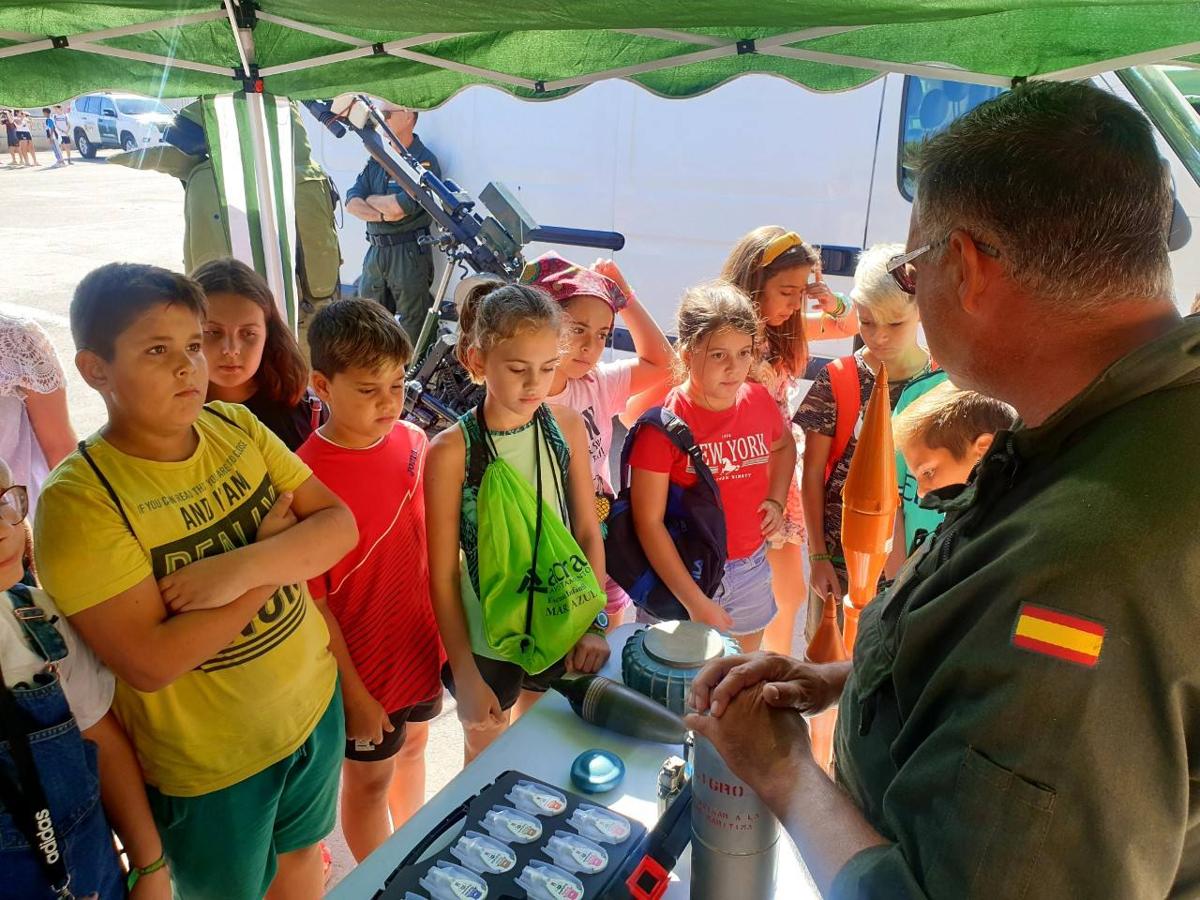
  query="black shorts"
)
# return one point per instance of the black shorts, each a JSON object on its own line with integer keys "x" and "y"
{"x": 507, "y": 680}
{"x": 66, "y": 141}
{"x": 24, "y": 136}
{"x": 365, "y": 751}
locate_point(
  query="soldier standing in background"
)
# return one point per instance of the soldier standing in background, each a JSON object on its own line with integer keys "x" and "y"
{"x": 398, "y": 268}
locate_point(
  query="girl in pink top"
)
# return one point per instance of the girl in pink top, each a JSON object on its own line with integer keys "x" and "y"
{"x": 591, "y": 299}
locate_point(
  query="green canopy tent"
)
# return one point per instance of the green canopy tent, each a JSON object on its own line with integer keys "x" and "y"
{"x": 421, "y": 52}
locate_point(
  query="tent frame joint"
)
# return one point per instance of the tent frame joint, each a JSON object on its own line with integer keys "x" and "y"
{"x": 539, "y": 87}
{"x": 377, "y": 49}
{"x": 746, "y": 45}
{"x": 252, "y": 83}
{"x": 245, "y": 13}
{"x": 1018, "y": 80}
{"x": 60, "y": 41}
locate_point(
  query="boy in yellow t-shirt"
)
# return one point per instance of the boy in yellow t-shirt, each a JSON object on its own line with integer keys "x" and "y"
{"x": 177, "y": 540}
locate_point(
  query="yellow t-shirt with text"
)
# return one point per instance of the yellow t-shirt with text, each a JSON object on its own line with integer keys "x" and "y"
{"x": 257, "y": 700}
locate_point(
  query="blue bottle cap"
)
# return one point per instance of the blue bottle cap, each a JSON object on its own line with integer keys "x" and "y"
{"x": 597, "y": 771}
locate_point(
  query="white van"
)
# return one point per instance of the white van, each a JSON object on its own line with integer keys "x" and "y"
{"x": 116, "y": 121}
{"x": 683, "y": 179}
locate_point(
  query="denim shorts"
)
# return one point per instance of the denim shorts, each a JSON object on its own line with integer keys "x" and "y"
{"x": 745, "y": 593}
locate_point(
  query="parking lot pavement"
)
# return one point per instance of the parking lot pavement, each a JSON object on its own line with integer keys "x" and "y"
{"x": 59, "y": 224}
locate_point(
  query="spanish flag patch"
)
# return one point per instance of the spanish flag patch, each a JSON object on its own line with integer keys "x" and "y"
{"x": 1052, "y": 633}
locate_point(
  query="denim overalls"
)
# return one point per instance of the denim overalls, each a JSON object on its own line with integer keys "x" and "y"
{"x": 68, "y": 768}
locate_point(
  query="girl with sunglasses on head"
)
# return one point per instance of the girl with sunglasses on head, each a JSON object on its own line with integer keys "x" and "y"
{"x": 781, "y": 274}
{"x": 830, "y": 412}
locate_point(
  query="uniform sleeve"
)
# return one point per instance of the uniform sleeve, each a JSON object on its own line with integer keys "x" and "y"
{"x": 84, "y": 551}
{"x": 1052, "y": 777}
{"x": 652, "y": 451}
{"x": 817, "y": 411}
{"x": 286, "y": 469}
{"x": 361, "y": 188}
{"x": 614, "y": 379}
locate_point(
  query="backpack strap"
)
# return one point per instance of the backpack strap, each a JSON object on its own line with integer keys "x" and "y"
{"x": 847, "y": 403}
{"x": 83, "y": 451}
{"x": 44, "y": 639}
{"x": 315, "y": 408}
{"x": 677, "y": 432}
{"x": 224, "y": 418}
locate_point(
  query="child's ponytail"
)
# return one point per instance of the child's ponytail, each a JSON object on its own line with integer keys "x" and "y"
{"x": 490, "y": 314}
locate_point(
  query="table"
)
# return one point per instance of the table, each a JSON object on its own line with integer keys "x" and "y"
{"x": 542, "y": 743}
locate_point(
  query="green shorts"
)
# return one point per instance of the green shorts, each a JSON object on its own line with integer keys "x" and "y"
{"x": 224, "y": 845}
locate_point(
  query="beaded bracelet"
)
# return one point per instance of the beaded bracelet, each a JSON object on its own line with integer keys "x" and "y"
{"x": 135, "y": 874}
{"x": 820, "y": 557}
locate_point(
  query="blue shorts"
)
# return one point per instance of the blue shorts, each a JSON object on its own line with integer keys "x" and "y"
{"x": 745, "y": 593}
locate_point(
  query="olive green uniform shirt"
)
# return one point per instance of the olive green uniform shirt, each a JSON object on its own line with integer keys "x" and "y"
{"x": 374, "y": 180}
{"x": 1023, "y": 719}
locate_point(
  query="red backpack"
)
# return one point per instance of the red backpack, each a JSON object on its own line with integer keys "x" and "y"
{"x": 847, "y": 403}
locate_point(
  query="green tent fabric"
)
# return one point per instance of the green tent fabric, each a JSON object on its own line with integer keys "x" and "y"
{"x": 422, "y": 52}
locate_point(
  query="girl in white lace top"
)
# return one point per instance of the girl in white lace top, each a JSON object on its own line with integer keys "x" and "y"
{"x": 35, "y": 431}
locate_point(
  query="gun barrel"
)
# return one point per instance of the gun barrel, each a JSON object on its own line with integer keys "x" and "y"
{"x": 577, "y": 237}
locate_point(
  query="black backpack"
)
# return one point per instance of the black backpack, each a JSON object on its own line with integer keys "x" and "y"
{"x": 694, "y": 518}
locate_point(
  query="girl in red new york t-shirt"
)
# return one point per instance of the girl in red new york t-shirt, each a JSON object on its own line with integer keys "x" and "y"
{"x": 746, "y": 445}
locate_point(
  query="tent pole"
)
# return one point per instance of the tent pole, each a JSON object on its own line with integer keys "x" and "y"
{"x": 136, "y": 56}
{"x": 927, "y": 70}
{"x": 1149, "y": 58}
{"x": 388, "y": 48}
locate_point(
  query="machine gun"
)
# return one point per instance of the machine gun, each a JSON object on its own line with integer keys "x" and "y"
{"x": 438, "y": 389}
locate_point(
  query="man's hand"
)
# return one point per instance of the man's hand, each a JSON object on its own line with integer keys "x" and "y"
{"x": 765, "y": 747}
{"x": 787, "y": 683}
{"x": 279, "y": 518}
{"x": 589, "y": 654}
{"x": 366, "y": 719}
{"x": 389, "y": 205}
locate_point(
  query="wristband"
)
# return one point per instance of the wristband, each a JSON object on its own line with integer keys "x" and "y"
{"x": 842, "y": 306}
{"x": 135, "y": 874}
{"x": 820, "y": 557}
{"x": 599, "y": 625}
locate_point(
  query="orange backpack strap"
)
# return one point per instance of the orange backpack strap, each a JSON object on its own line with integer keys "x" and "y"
{"x": 847, "y": 402}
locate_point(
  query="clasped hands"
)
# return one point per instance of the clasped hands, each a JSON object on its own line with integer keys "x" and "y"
{"x": 750, "y": 708}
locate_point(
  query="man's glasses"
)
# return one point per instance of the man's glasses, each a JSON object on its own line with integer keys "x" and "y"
{"x": 904, "y": 273}
{"x": 14, "y": 504}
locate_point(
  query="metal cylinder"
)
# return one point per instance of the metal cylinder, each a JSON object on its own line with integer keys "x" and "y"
{"x": 734, "y": 835}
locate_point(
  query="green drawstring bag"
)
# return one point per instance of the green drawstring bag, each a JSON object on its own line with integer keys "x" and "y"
{"x": 537, "y": 591}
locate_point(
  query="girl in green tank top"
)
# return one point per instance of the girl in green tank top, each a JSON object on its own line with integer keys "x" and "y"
{"x": 509, "y": 340}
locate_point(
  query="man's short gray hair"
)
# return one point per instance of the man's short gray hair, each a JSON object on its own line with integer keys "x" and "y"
{"x": 1065, "y": 179}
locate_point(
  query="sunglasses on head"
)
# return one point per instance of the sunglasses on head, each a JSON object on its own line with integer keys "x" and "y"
{"x": 904, "y": 273}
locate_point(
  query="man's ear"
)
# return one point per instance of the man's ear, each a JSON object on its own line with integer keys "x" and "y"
{"x": 969, "y": 270}
{"x": 321, "y": 385}
{"x": 93, "y": 369}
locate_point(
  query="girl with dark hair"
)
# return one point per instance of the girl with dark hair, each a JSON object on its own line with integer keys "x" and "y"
{"x": 253, "y": 358}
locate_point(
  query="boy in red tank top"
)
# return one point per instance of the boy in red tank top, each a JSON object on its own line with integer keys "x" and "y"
{"x": 376, "y": 599}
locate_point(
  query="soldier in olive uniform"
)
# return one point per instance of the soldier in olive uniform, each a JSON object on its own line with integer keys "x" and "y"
{"x": 398, "y": 269}
{"x": 1022, "y": 714}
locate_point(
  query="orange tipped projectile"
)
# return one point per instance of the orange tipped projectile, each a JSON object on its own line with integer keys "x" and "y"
{"x": 869, "y": 502}
{"x": 826, "y": 646}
